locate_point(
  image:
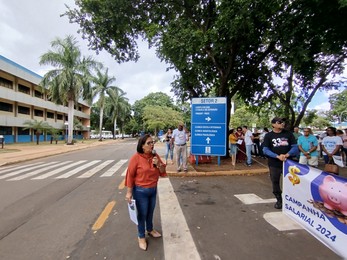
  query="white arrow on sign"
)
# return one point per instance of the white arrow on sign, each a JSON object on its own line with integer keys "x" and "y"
{"x": 208, "y": 140}
{"x": 208, "y": 119}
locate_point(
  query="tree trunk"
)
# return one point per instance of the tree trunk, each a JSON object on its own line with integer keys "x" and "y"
{"x": 37, "y": 137}
{"x": 115, "y": 128}
{"x": 71, "y": 105}
{"x": 100, "y": 122}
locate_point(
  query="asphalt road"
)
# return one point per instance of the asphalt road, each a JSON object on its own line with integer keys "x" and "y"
{"x": 74, "y": 217}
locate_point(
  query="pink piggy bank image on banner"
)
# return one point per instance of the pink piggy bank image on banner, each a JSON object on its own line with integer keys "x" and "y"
{"x": 334, "y": 194}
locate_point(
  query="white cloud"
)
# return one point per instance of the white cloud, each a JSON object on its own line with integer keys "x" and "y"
{"x": 28, "y": 27}
{"x": 323, "y": 106}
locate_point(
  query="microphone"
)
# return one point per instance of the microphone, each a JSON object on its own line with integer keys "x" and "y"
{"x": 154, "y": 152}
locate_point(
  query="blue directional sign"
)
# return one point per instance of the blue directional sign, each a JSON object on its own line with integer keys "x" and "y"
{"x": 209, "y": 126}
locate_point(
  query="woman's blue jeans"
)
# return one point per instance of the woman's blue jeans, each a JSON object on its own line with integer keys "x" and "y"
{"x": 169, "y": 151}
{"x": 145, "y": 202}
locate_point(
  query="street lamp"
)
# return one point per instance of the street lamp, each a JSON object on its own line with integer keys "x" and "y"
{"x": 66, "y": 130}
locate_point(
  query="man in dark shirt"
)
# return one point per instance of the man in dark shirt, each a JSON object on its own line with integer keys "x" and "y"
{"x": 278, "y": 145}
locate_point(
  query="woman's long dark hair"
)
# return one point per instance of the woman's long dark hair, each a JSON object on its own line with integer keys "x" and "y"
{"x": 141, "y": 142}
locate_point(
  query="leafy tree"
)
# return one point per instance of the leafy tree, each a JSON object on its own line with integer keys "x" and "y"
{"x": 338, "y": 103}
{"x": 131, "y": 126}
{"x": 54, "y": 134}
{"x": 231, "y": 47}
{"x": 38, "y": 126}
{"x": 69, "y": 80}
{"x": 118, "y": 108}
{"x": 320, "y": 122}
{"x": 309, "y": 117}
{"x": 159, "y": 117}
{"x": 153, "y": 99}
{"x": 102, "y": 88}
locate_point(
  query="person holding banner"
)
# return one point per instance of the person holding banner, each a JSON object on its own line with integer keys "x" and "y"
{"x": 278, "y": 146}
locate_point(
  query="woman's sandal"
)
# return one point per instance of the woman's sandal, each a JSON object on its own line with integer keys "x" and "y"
{"x": 143, "y": 244}
{"x": 154, "y": 233}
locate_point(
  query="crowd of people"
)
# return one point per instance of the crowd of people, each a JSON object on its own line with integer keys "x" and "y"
{"x": 244, "y": 144}
{"x": 280, "y": 144}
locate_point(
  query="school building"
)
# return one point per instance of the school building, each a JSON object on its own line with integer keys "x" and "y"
{"x": 22, "y": 99}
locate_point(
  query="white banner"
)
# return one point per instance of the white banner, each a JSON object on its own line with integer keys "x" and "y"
{"x": 318, "y": 201}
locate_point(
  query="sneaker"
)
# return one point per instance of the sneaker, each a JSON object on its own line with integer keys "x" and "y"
{"x": 278, "y": 205}
{"x": 178, "y": 170}
{"x": 185, "y": 170}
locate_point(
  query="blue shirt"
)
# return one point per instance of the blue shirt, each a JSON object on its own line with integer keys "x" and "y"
{"x": 307, "y": 143}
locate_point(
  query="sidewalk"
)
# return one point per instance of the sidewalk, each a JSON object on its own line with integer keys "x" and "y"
{"x": 15, "y": 153}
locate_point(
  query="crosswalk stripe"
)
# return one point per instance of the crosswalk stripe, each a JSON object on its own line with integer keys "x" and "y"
{"x": 178, "y": 241}
{"x": 11, "y": 168}
{"x": 114, "y": 168}
{"x": 95, "y": 170}
{"x": 30, "y": 174}
{"x": 125, "y": 172}
{"x": 49, "y": 174}
{"x": 24, "y": 170}
{"x": 78, "y": 169}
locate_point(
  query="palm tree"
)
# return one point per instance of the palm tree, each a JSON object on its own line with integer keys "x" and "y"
{"x": 38, "y": 127}
{"x": 102, "y": 87}
{"x": 119, "y": 108}
{"x": 69, "y": 81}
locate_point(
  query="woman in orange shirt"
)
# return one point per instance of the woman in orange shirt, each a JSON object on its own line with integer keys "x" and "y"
{"x": 233, "y": 146}
{"x": 141, "y": 180}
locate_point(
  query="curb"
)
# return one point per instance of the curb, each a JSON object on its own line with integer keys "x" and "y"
{"x": 249, "y": 172}
{"x": 170, "y": 172}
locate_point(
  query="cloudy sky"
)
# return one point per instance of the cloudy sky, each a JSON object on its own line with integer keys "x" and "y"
{"x": 28, "y": 27}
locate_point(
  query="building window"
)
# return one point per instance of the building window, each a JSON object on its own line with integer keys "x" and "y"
{"x": 6, "y": 83}
{"x": 38, "y": 94}
{"x": 23, "y": 110}
{"x": 23, "y": 89}
{"x": 50, "y": 115}
{"x": 38, "y": 112}
{"x": 5, "y": 130}
{"x": 21, "y": 131}
{"x": 6, "y": 107}
{"x": 59, "y": 117}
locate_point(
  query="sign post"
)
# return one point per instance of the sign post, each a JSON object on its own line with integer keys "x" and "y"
{"x": 209, "y": 127}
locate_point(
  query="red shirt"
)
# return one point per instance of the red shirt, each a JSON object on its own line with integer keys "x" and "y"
{"x": 141, "y": 171}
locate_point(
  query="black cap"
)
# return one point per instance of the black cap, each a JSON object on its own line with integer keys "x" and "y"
{"x": 277, "y": 119}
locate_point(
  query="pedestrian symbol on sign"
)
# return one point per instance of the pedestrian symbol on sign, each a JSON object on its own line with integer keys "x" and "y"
{"x": 207, "y": 149}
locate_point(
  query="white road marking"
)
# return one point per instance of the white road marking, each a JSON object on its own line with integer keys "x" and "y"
{"x": 23, "y": 170}
{"x": 76, "y": 170}
{"x": 91, "y": 172}
{"x": 178, "y": 242}
{"x": 49, "y": 174}
{"x": 114, "y": 168}
{"x": 30, "y": 174}
{"x": 277, "y": 219}
{"x": 252, "y": 198}
{"x": 281, "y": 221}
{"x": 125, "y": 172}
{"x": 11, "y": 168}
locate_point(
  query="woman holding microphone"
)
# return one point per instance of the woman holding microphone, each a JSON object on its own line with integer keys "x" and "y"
{"x": 144, "y": 169}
